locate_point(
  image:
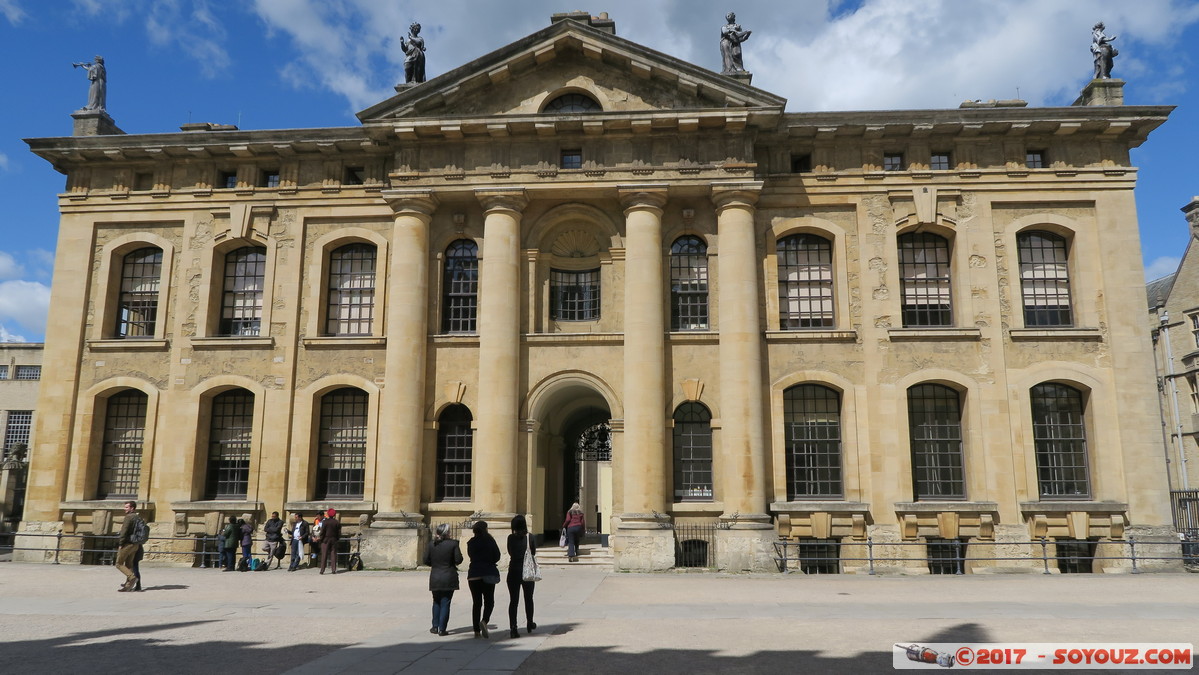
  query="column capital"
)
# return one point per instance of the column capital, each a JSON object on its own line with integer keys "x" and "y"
{"x": 642, "y": 197}
{"x": 502, "y": 199}
{"x": 420, "y": 203}
{"x": 743, "y": 194}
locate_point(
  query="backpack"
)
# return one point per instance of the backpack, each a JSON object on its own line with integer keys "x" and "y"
{"x": 256, "y": 565}
{"x": 140, "y": 533}
{"x": 243, "y": 565}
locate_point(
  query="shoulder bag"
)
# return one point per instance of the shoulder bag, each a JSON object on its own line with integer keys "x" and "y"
{"x": 530, "y": 571}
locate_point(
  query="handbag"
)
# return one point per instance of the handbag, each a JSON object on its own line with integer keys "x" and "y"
{"x": 530, "y": 571}
{"x": 562, "y": 539}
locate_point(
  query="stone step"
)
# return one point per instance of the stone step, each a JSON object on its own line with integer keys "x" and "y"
{"x": 589, "y": 556}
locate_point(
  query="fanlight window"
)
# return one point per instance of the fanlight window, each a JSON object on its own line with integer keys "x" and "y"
{"x": 572, "y": 103}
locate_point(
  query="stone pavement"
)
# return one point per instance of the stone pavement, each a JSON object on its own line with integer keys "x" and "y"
{"x": 70, "y": 619}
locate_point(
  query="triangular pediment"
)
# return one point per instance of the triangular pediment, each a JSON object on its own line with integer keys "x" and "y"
{"x": 570, "y": 56}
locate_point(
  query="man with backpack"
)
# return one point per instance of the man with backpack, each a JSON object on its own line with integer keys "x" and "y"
{"x": 272, "y": 529}
{"x": 134, "y": 533}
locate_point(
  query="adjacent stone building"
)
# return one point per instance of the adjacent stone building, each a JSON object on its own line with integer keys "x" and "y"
{"x": 20, "y": 375}
{"x": 577, "y": 268}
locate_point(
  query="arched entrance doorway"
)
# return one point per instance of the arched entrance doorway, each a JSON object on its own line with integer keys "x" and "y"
{"x": 573, "y": 456}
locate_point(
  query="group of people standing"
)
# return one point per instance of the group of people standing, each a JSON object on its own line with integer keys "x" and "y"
{"x": 323, "y": 536}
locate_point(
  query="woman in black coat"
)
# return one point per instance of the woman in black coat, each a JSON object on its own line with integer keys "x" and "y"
{"x": 444, "y": 556}
{"x": 519, "y": 542}
{"x": 482, "y": 576}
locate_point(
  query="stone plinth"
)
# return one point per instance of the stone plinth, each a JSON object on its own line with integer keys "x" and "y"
{"x": 394, "y": 540}
{"x": 642, "y": 543}
{"x": 743, "y": 78}
{"x": 94, "y": 123}
{"x": 1102, "y": 92}
{"x": 746, "y": 547}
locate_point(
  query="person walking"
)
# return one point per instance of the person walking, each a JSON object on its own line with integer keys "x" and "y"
{"x": 330, "y": 536}
{"x": 272, "y": 529}
{"x": 443, "y": 557}
{"x": 229, "y": 537}
{"x": 129, "y": 545}
{"x": 482, "y": 576}
{"x": 247, "y": 540}
{"x": 300, "y": 532}
{"x": 518, "y": 542}
{"x": 574, "y": 525}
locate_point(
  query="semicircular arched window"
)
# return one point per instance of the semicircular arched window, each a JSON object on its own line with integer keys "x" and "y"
{"x": 572, "y": 103}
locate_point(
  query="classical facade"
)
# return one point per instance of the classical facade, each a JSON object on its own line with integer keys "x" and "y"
{"x": 577, "y": 268}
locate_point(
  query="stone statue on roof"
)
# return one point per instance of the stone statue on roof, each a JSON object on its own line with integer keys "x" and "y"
{"x": 731, "y": 37}
{"x": 414, "y": 59}
{"x": 97, "y": 93}
{"x": 1103, "y": 51}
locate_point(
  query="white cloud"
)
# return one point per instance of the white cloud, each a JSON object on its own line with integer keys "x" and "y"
{"x": 12, "y": 11}
{"x": 9, "y": 267}
{"x": 25, "y": 303}
{"x": 3, "y": 162}
{"x": 1160, "y": 267}
{"x": 6, "y": 336}
{"x": 190, "y": 27}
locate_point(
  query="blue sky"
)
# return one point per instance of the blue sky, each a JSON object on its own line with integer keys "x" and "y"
{"x": 313, "y": 63}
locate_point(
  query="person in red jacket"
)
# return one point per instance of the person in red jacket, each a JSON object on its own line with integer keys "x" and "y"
{"x": 573, "y": 526}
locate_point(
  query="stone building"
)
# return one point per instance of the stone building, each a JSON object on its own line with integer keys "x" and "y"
{"x": 578, "y": 268}
{"x": 20, "y": 375}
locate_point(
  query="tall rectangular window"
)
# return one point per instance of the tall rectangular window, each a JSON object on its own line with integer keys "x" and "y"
{"x": 351, "y": 293}
{"x": 241, "y": 301}
{"x": 689, "y": 284}
{"x": 924, "y": 280}
{"x": 935, "y": 428}
{"x": 455, "y": 441}
{"x": 692, "y": 442}
{"x": 16, "y": 432}
{"x": 805, "y": 263}
{"x": 121, "y": 456}
{"x": 28, "y": 373}
{"x": 3, "y": 372}
{"x": 812, "y": 432}
{"x": 575, "y": 295}
{"x": 1194, "y": 327}
{"x": 341, "y": 455}
{"x": 460, "y": 287}
{"x": 1060, "y": 436}
{"x": 1044, "y": 279}
{"x": 230, "y": 436}
{"x": 137, "y": 308}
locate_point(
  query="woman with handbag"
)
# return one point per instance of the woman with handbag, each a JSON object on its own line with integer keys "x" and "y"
{"x": 573, "y": 526}
{"x": 520, "y": 542}
{"x": 482, "y": 576}
{"x": 443, "y": 557}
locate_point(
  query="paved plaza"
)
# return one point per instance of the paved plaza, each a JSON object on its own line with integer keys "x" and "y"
{"x": 70, "y": 619}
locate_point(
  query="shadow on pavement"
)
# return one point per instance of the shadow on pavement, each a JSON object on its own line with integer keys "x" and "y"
{"x": 167, "y": 587}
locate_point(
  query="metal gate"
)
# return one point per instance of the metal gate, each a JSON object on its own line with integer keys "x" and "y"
{"x": 1185, "y": 504}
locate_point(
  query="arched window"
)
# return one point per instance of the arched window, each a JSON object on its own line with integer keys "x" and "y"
{"x": 572, "y": 103}
{"x": 241, "y": 299}
{"x": 1060, "y": 436}
{"x": 805, "y": 263}
{"x": 460, "y": 287}
{"x": 1044, "y": 279}
{"x": 455, "y": 440}
{"x": 692, "y": 441}
{"x": 121, "y": 454}
{"x": 137, "y": 307}
{"x": 924, "y": 280}
{"x": 341, "y": 450}
{"x": 935, "y": 434}
{"x": 230, "y": 434}
{"x": 812, "y": 429}
{"x": 575, "y": 295}
{"x": 689, "y": 284}
{"x": 351, "y": 292}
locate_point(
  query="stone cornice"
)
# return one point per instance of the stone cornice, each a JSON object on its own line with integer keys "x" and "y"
{"x": 493, "y": 199}
{"x": 416, "y": 202}
{"x": 743, "y": 194}
{"x": 650, "y": 196}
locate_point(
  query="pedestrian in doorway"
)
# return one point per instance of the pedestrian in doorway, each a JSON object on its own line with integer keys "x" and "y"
{"x": 443, "y": 557}
{"x": 574, "y": 525}
{"x": 229, "y": 537}
{"x": 482, "y": 576}
{"x": 330, "y": 536}
{"x": 519, "y": 542}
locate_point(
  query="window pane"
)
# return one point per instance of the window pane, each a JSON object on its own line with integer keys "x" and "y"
{"x": 229, "y": 438}
{"x": 812, "y": 429}
{"x": 692, "y": 452}
{"x": 16, "y": 431}
{"x": 1044, "y": 279}
{"x": 1059, "y": 434}
{"x": 454, "y": 447}
{"x": 574, "y": 295}
{"x": 924, "y": 278}
{"x": 137, "y": 308}
{"x": 241, "y": 303}
{"x": 341, "y": 453}
{"x": 351, "y": 292}
{"x": 805, "y": 265}
{"x": 28, "y": 373}
{"x": 689, "y": 284}
{"x": 121, "y": 455}
{"x": 460, "y": 294}
{"x": 935, "y": 425}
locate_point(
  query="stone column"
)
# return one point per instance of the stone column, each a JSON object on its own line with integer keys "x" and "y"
{"x": 496, "y": 448}
{"x": 745, "y": 540}
{"x": 643, "y": 541}
{"x": 393, "y": 538}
